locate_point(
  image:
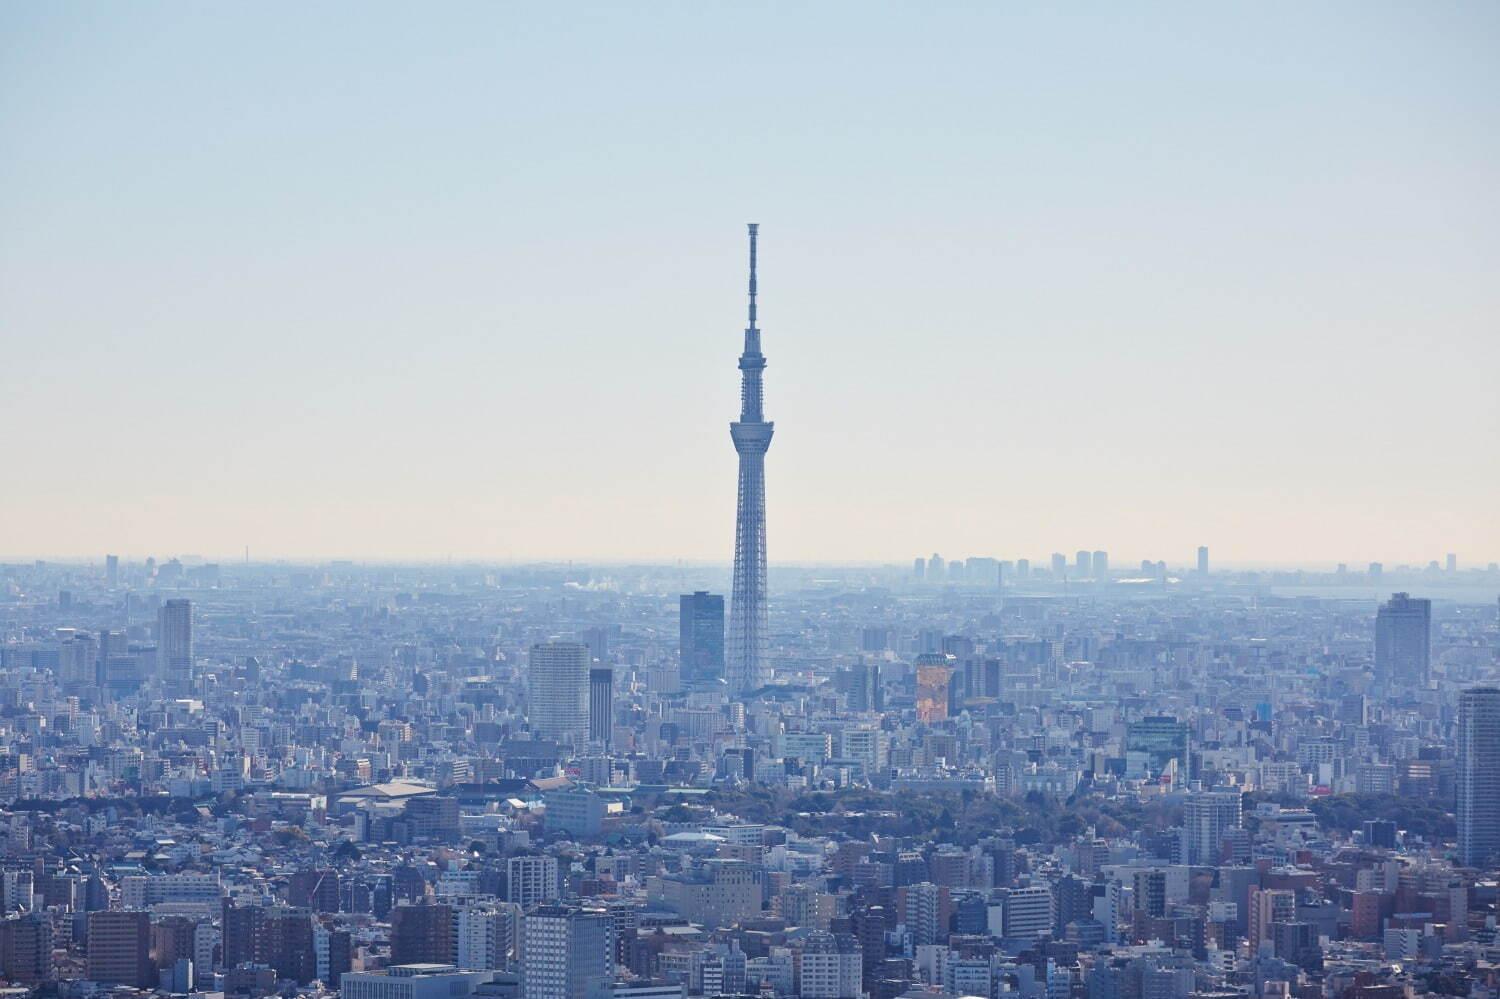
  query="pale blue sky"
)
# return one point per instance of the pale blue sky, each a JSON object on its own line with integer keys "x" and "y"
{"x": 467, "y": 279}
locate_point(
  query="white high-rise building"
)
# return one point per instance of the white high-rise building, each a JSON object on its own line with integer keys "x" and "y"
{"x": 1206, "y": 816}
{"x": 531, "y": 880}
{"x": 557, "y": 687}
{"x": 830, "y": 967}
{"x": 322, "y": 951}
{"x": 1028, "y": 911}
{"x": 484, "y": 936}
{"x": 1109, "y": 908}
{"x": 867, "y": 744}
{"x": 205, "y": 943}
{"x": 566, "y": 953}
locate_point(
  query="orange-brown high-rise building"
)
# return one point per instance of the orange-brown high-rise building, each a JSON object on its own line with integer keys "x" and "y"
{"x": 1365, "y": 909}
{"x": 120, "y": 948}
{"x": 933, "y": 683}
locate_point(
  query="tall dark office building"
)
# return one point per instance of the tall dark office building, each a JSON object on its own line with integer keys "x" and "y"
{"x": 112, "y": 571}
{"x": 601, "y": 704}
{"x": 421, "y": 934}
{"x": 238, "y": 924}
{"x": 1479, "y": 777}
{"x": 174, "y": 637}
{"x": 700, "y": 630}
{"x": 284, "y": 940}
{"x": 26, "y": 948}
{"x": 748, "y": 616}
{"x": 120, "y": 948}
{"x": 1402, "y": 629}
{"x": 276, "y": 935}
{"x": 172, "y": 939}
{"x": 1203, "y": 560}
{"x": 865, "y": 692}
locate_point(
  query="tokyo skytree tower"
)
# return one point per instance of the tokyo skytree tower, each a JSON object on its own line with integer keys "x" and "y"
{"x": 748, "y": 623}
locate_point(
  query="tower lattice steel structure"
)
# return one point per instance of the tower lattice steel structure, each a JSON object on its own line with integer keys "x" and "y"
{"x": 748, "y": 622}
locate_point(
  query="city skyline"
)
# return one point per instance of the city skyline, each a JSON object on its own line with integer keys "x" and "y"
{"x": 372, "y": 625}
{"x": 1098, "y": 278}
{"x": 1179, "y": 565}
{"x": 1212, "y": 733}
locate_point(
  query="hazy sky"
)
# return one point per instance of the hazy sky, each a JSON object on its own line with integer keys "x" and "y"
{"x": 452, "y": 279}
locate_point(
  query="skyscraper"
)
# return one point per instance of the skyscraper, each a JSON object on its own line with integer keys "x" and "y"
{"x": 830, "y": 967}
{"x": 748, "y": 621}
{"x": 934, "y": 681}
{"x": 700, "y": 633}
{"x": 421, "y": 934}
{"x": 174, "y": 635}
{"x": 865, "y": 693}
{"x": 112, "y": 571}
{"x": 1083, "y": 564}
{"x": 566, "y": 953}
{"x": 557, "y": 686}
{"x": 119, "y": 948}
{"x": 1479, "y": 777}
{"x": 531, "y": 880}
{"x": 1402, "y": 629}
{"x": 601, "y": 704}
{"x": 276, "y": 935}
{"x": 1203, "y": 560}
{"x": 1206, "y": 817}
{"x": 1101, "y": 565}
{"x": 26, "y": 948}
{"x": 484, "y": 934}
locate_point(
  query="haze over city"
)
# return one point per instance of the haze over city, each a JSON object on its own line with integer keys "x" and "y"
{"x": 358, "y": 282}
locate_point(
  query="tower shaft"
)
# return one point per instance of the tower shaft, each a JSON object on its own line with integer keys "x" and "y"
{"x": 746, "y": 664}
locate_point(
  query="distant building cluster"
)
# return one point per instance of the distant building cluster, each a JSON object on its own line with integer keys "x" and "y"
{"x": 1094, "y": 567}
{"x": 539, "y": 781}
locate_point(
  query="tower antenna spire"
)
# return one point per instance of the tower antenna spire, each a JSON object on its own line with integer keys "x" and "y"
{"x": 754, "y": 233}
